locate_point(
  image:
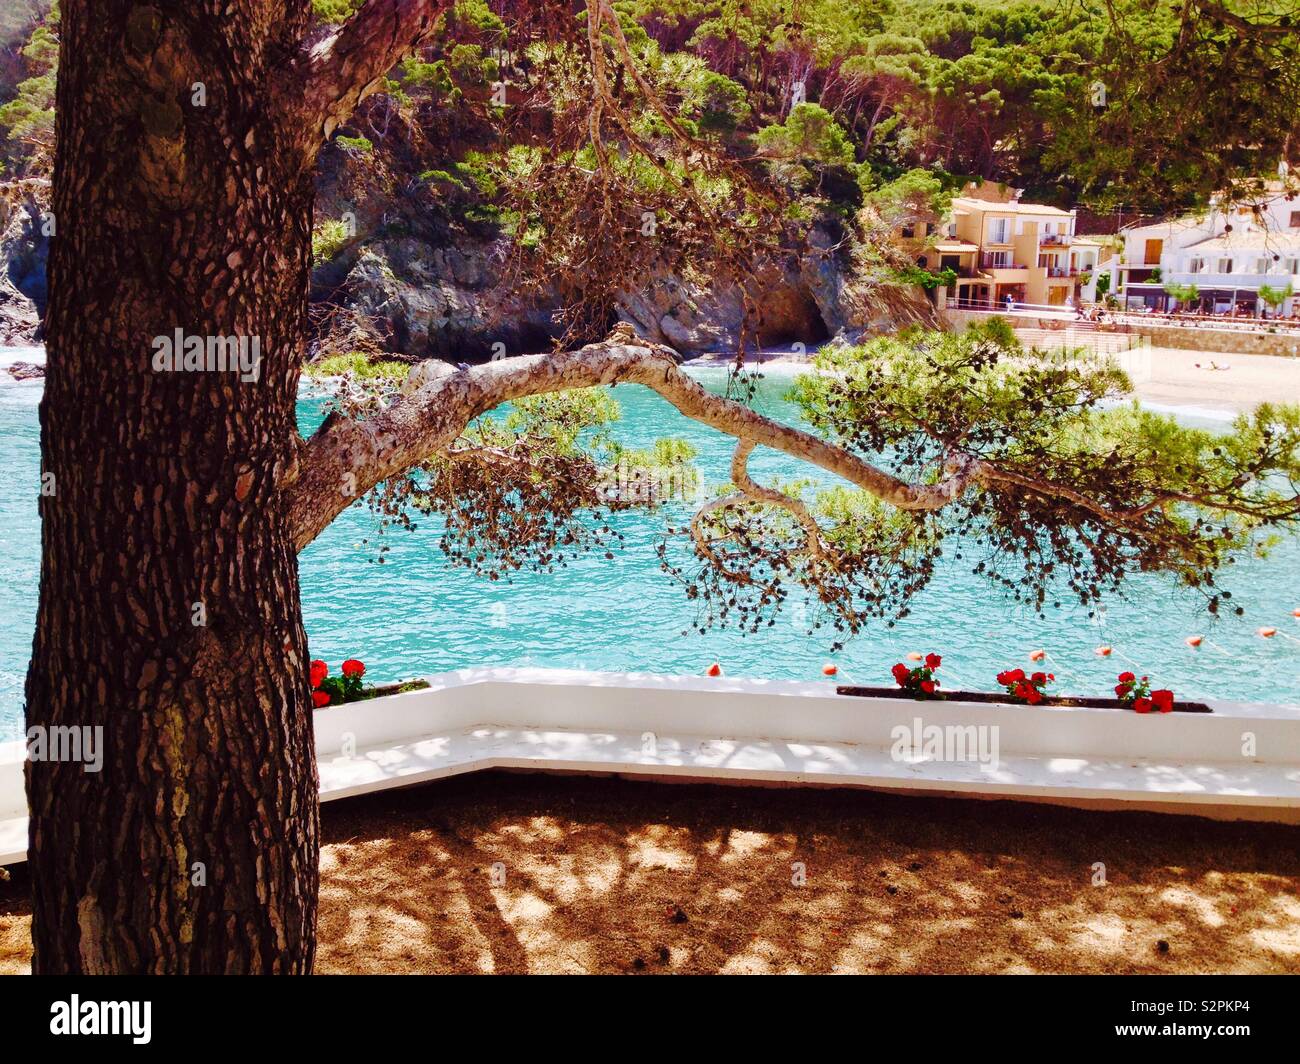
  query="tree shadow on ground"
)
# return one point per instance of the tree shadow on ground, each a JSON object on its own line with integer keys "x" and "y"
{"x": 518, "y": 872}
{"x": 504, "y": 872}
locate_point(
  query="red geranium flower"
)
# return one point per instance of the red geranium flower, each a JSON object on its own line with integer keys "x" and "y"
{"x": 933, "y": 661}
{"x": 928, "y": 686}
{"x": 901, "y": 672}
{"x": 319, "y": 670}
{"x": 1163, "y": 700}
{"x": 320, "y": 698}
{"x": 1024, "y": 688}
{"x": 352, "y": 667}
{"x": 1126, "y": 677}
{"x": 1142, "y": 705}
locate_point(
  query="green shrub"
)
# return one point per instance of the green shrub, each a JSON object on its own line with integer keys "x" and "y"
{"x": 333, "y": 12}
{"x": 357, "y": 364}
{"x": 810, "y": 132}
{"x": 716, "y": 102}
{"x": 328, "y": 239}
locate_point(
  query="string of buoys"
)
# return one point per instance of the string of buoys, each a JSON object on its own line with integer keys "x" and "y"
{"x": 1102, "y": 650}
{"x": 1197, "y": 641}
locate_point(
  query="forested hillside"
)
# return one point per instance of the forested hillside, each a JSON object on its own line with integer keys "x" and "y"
{"x": 806, "y": 130}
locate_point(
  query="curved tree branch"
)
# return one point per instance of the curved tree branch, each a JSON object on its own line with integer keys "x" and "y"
{"x": 758, "y": 493}
{"x": 334, "y": 76}
{"x": 704, "y": 544}
{"x": 344, "y": 459}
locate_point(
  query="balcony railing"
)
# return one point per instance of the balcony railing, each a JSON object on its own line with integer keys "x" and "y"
{"x": 1054, "y": 238}
{"x": 1000, "y": 262}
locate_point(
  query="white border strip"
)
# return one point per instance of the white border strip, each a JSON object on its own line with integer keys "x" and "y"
{"x": 1241, "y": 760}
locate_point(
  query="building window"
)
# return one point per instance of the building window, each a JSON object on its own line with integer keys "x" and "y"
{"x": 1196, "y": 266}
{"x": 1225, "y": 266}
{"x": 909, "y": 231}
{"x": 1295, "y": 219}
{"x": 1293, "y": 266}
{"x": 998, "y": 230}
{"x": 1261, "y": 265}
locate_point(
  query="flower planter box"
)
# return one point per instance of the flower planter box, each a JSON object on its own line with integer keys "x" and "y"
{"x": 1001, "y": 700}
{"x": 791, "y": 733}
{"x": 386, "y": 689}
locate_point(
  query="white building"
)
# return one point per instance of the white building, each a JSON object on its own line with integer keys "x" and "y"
{"x": 1229, "y": 270}
{"x": 1228, "y": 254}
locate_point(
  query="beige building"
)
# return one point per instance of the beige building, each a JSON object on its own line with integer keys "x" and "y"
{"x": 1004, "y": 250}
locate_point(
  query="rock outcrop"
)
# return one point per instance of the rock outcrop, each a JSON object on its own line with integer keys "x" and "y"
{"x": 808, "y": 298}
{"x": 24, "y": 251}
{"x": 451, "y": 302}
{"x": 424, "y": 300}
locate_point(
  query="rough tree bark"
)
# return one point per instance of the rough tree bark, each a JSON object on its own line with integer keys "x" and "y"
{"x": 169, "y": 613}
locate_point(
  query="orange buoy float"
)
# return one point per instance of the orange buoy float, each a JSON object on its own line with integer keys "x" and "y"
{"x": 713, "y": 670}
{"x": 1194, "y": 640}
{"x": 914, "y": 656}
{"x": 1104, "y": 652}
{"x": 1296, "y": 612}
{"x": 1037, "y": 655}
{"x": 830, "y": 670}
{"x": 1266, "y": 633}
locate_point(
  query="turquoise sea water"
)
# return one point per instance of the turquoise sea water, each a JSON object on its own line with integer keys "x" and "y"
{"x": 415, "y": 615}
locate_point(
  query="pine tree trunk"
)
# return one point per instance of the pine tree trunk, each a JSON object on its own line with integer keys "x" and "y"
{"x": 169, "y": 611}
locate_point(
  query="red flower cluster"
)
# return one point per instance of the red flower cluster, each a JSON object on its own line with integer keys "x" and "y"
{"x": 919, "y": 681}
{"x": 1138, "y": 694}
{"x": 327, "y": 689}
{"x": 1025, "y": 688}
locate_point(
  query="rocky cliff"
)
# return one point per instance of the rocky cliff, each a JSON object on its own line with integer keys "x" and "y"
{"x": 24, "y": 249}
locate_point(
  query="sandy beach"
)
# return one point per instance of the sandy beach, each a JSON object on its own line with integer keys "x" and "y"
{"x": 1213, "y": 381}
{"x": 1210, "y": 383}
